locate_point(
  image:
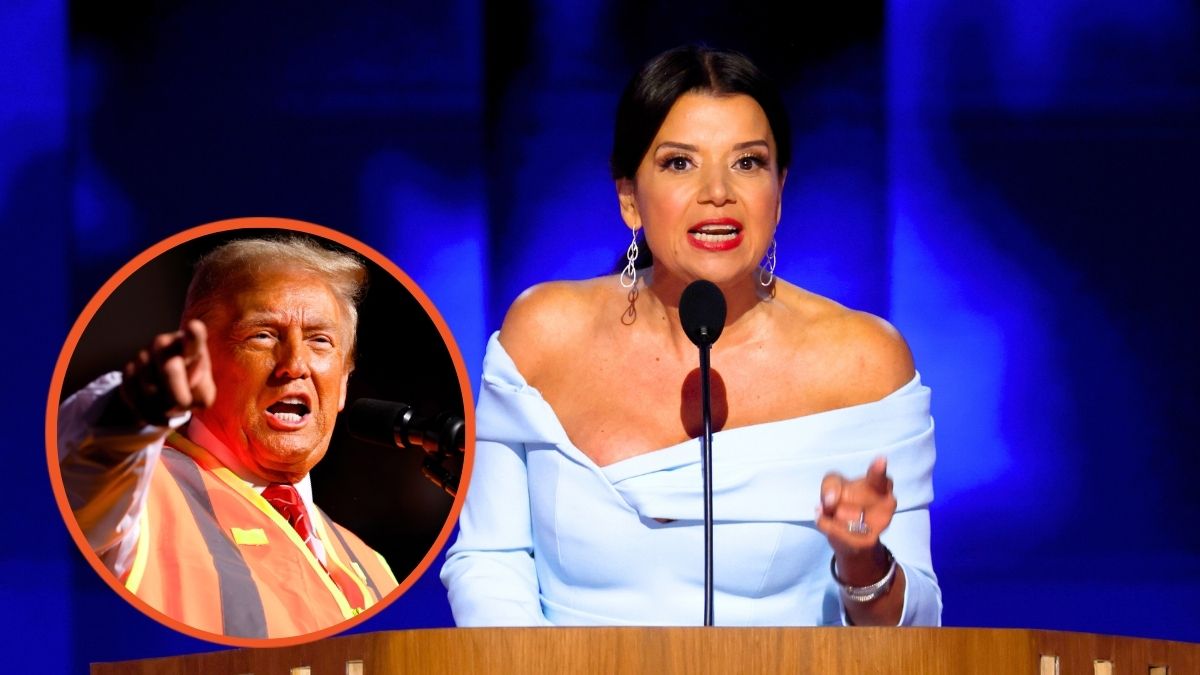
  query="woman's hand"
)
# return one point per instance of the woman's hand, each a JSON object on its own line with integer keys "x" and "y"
{"x": 852, "y": 515}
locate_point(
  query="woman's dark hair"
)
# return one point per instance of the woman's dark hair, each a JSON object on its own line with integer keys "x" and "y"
{"x": 662, "y": 80}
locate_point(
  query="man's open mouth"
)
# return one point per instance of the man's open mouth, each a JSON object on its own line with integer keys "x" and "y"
{"x": 290, "y": 410}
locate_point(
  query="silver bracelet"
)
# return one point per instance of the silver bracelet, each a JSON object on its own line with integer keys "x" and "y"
{"x": 866, "y": 593}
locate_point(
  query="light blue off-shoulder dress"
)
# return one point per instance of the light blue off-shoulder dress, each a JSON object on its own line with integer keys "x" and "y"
{"x": 547, "y": 537}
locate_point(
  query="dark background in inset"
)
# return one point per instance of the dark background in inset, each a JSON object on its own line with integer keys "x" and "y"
{"x": 1010, "y": 183}
{"x": 379, "y": 493}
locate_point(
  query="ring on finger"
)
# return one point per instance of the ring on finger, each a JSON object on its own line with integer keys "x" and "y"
{"x": 858, "y": 526}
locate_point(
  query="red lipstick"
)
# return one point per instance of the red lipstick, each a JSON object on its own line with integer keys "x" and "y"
{"x": 716, "y": 234}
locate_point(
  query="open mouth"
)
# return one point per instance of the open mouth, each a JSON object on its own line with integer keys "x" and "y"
{"x": 291, "y": 410}
{"x": 720, "y": 234}
{"x": 715, "y": 233}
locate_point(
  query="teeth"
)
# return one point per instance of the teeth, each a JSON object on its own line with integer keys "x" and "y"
{"x": 291, "y": 409}
{"x": 711, "y": 236}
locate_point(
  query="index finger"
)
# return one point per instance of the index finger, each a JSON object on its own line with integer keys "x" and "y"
{"x": 877, "y": 478}
{"x": 194, "y": 337}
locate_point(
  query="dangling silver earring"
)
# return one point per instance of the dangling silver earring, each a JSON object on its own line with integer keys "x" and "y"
{"x": 766, "y": 270}
{"x": 630, "y": 272}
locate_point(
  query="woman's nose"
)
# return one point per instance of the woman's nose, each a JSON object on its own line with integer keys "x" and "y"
{"x": 715, "y": 186}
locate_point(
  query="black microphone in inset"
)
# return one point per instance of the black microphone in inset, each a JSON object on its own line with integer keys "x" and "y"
{"x": 702, "y": 313}
{"x": 441, "y": 437}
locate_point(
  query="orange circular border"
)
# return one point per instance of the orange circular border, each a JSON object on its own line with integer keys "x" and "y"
{"x": 102, "y": 295}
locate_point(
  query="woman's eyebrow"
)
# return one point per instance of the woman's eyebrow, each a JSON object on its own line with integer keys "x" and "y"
{"x": 678, "y": 146}
{"x": 691, "y": 148}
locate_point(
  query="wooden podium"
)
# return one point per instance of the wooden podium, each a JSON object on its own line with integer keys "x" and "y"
{"x": 661, "y": 651}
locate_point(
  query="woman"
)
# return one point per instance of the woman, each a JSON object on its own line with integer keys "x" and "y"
{"x": 585, "y": 504}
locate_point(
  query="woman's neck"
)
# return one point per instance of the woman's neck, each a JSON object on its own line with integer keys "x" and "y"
{"x": 745, "y": 299}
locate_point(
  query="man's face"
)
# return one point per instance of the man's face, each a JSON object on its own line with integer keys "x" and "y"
{"x": 279, "y": 346}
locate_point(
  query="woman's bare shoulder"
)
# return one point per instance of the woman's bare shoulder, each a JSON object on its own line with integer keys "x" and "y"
{"x": 549, "y": 320}
{"x": 864, "y": 353}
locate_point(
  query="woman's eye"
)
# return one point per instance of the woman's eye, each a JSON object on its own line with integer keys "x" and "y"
{"x": 676, "y": 163}
{"x": 750, "y": 162}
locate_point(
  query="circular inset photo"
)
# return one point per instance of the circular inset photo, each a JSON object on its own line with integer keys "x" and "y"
{"x": 257, "y": 430}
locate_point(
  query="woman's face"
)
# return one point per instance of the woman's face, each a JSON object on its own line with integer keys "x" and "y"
{"x": 707, "y": 191}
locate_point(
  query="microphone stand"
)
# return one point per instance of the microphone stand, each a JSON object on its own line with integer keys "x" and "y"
{"x": 706, "y": 469}
{"x": 702, "y": 316}
{"x": 441, "y": 437}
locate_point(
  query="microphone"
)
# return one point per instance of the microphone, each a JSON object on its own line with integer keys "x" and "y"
{"x": 441, "y": 437}
{"x": 702, "y": 314}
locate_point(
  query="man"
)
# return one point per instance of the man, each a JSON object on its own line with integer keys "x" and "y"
{"x": 189, "y": 472}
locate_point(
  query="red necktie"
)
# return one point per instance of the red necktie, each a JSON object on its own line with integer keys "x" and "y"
{"x": 287, "y": 502}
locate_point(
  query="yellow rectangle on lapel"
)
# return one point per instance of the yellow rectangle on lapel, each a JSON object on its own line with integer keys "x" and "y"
{"x": 254, "y": 537}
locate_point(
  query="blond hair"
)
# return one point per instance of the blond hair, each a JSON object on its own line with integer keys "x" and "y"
{"x": 228, "y": 266}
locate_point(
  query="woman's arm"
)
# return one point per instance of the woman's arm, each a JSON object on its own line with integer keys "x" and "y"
{"x": 489, "y": 572}
{"x": 914, "y": 598}
{"x": 908, "y": 540}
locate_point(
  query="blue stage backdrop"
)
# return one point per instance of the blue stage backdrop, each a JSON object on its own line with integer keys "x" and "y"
{"x": 1012, "y": 184}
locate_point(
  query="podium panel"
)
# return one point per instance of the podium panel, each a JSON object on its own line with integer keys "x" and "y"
{"x": 662, "y": 651}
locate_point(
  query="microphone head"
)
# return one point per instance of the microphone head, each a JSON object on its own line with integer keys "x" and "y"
{"x": 374, "y": 421}
{"x": 702, "y": 312}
